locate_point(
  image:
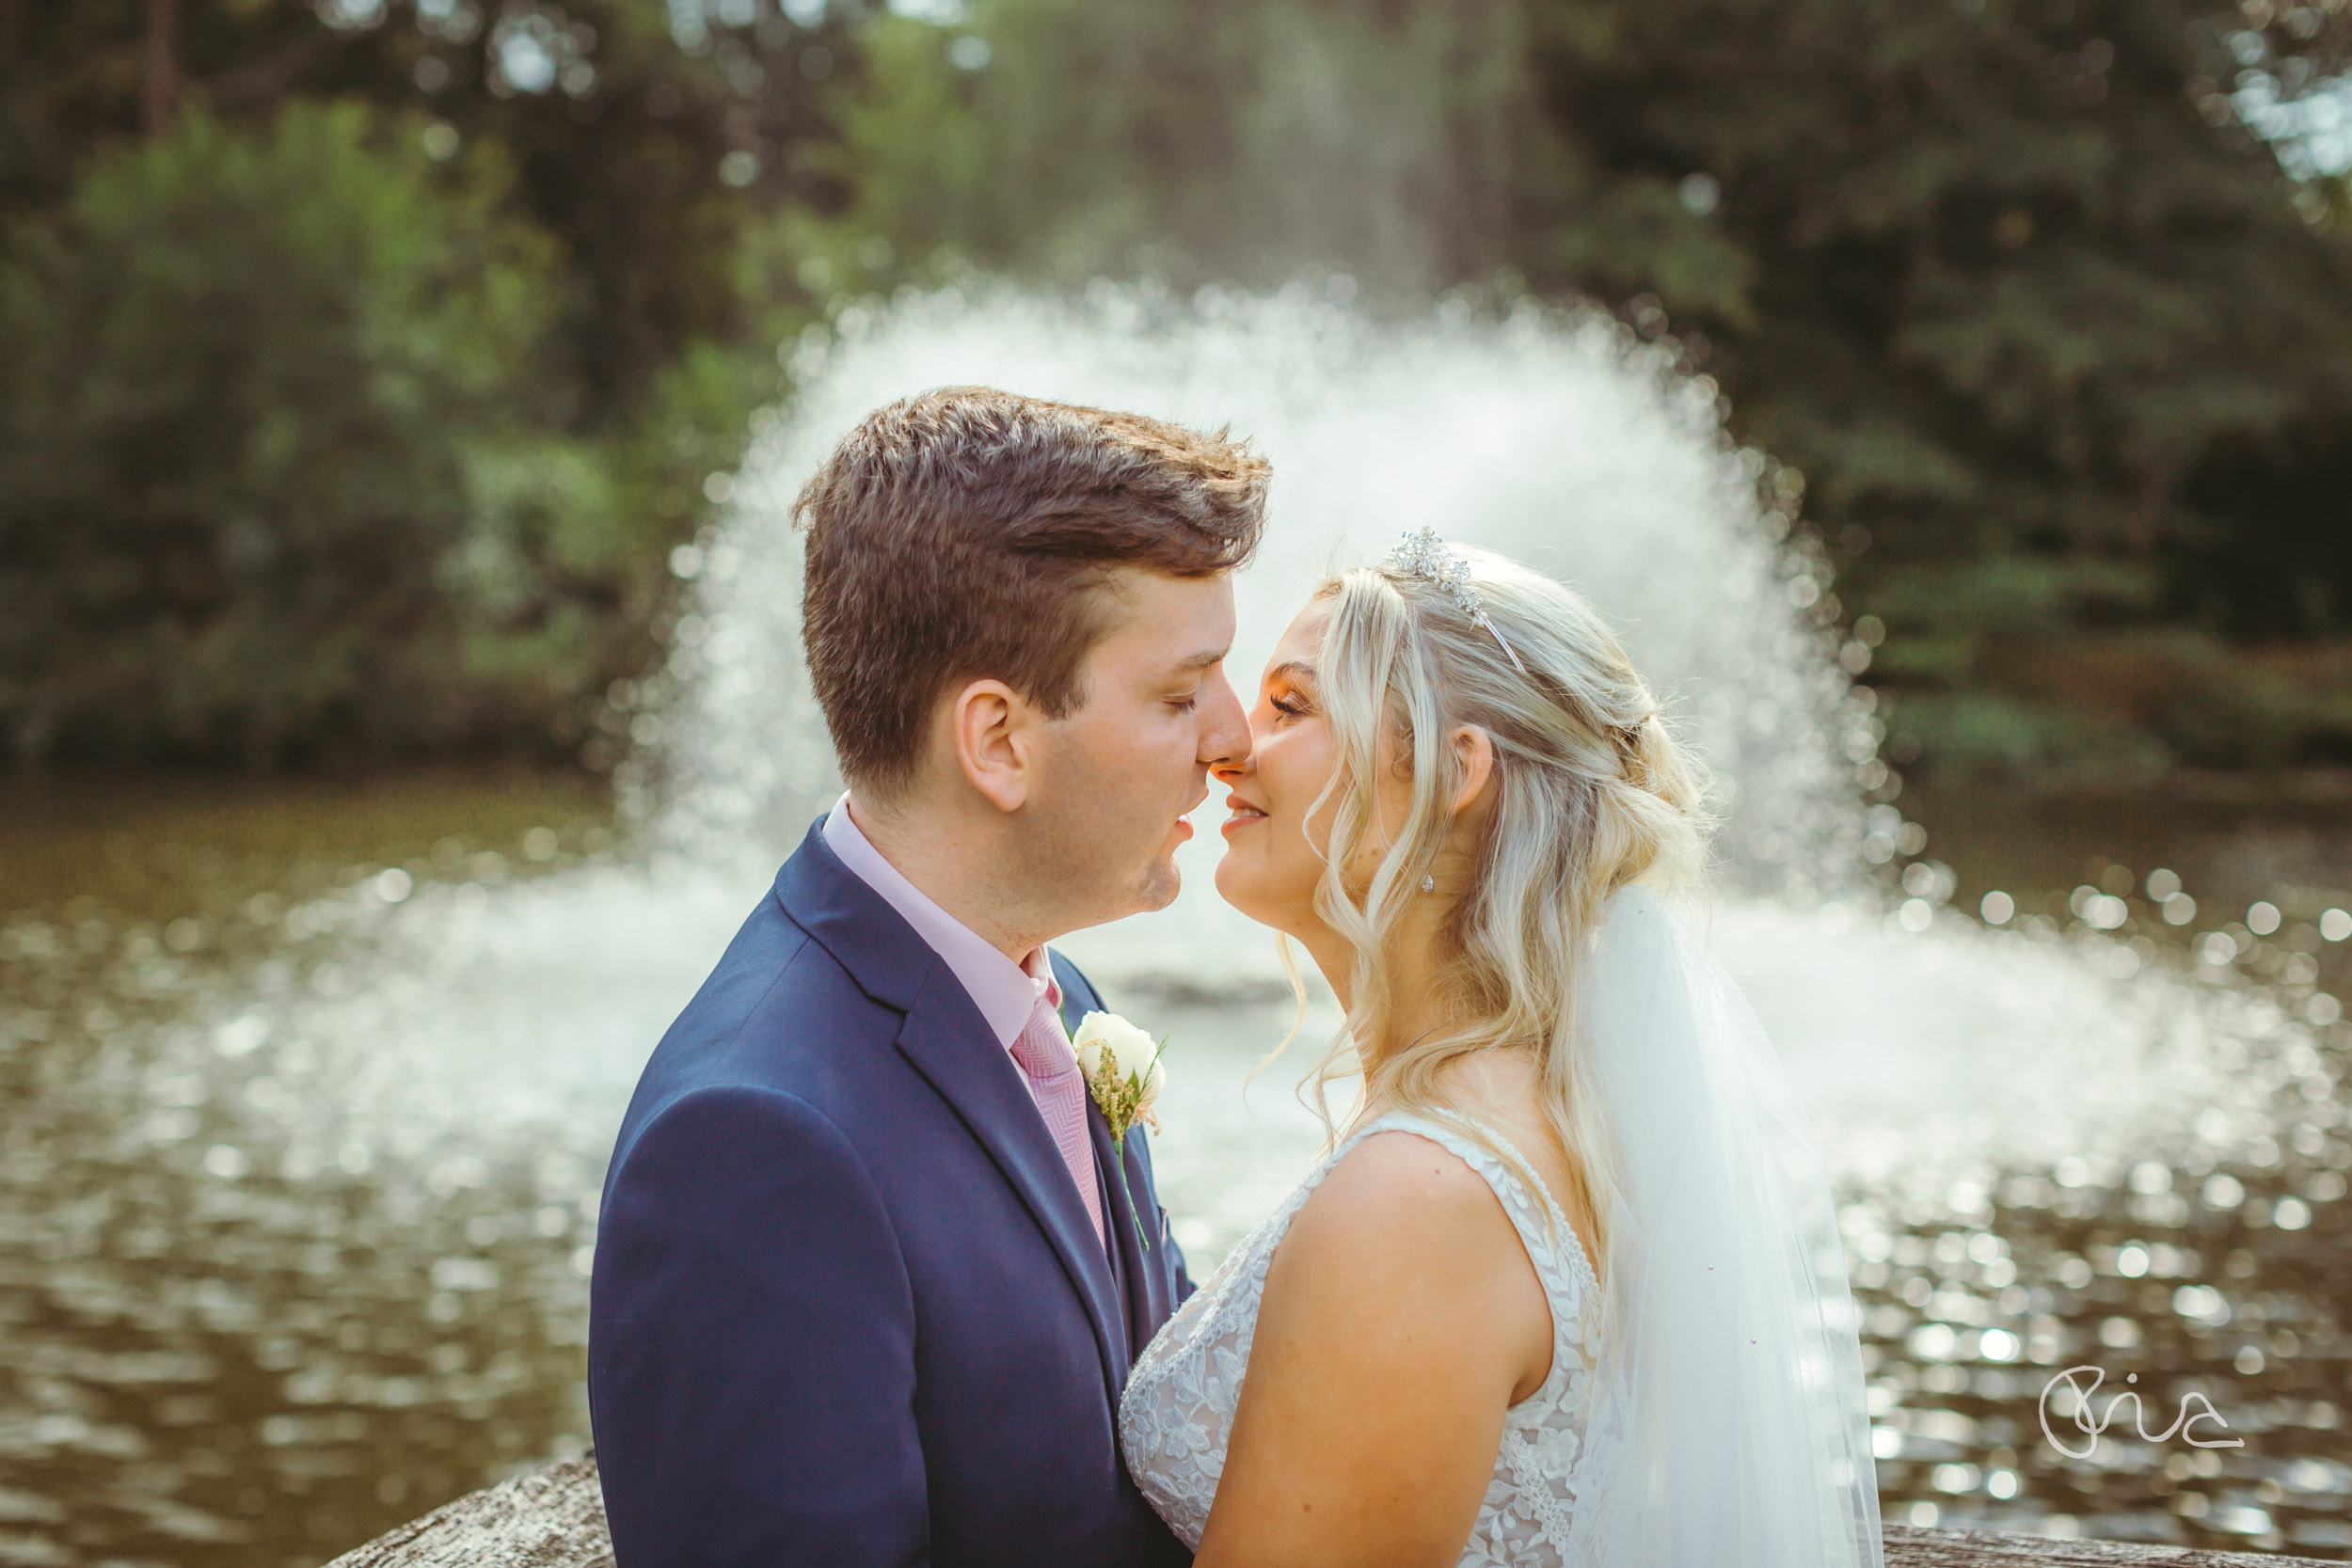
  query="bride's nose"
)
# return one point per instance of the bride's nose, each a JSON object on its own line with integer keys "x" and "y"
{"x": 1226, "y": 737}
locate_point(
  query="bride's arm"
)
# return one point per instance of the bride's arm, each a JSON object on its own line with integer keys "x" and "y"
{"x": 1400, "y": 1319}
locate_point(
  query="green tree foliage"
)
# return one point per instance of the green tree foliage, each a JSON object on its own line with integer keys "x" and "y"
{"x": 2047, "y": 299}
{"x": 620, "y": 115}
{"x": 367, "y": 357}
{"x": 2023, "y": 292}
{"x": 246, "y": 372}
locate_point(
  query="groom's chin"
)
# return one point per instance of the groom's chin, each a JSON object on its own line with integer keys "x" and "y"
{"x": 1159, "y": 887}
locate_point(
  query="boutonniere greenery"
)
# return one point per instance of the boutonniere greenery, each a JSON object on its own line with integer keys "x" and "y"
{"x": 1122, "y": 1067}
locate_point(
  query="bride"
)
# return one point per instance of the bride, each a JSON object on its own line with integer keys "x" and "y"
{"x": 1567, "y": 1288}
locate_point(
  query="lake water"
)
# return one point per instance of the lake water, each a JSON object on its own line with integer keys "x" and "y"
{"x": 309, "y": 1088}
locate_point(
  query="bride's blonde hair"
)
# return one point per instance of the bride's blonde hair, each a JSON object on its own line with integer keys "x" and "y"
{"x": 1590, "y": 792}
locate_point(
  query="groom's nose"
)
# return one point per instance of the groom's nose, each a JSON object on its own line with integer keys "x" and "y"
{"x": 1224, "y": 727}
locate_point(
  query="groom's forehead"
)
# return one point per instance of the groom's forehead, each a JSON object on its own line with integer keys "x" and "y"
{"x": 1154, "y": 651}
{"x": 1190, "y": 610}
{"x": 1154, "y": 639}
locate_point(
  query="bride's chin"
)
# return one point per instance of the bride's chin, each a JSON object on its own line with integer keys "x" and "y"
{"x": 1236, "y": 888}
{"x": 1231, "y": 884}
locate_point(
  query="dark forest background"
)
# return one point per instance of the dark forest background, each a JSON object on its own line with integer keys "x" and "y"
{"x": 363, "y": 361}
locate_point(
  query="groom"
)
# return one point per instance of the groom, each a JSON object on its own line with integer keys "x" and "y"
{"x": 867, "y": 1288}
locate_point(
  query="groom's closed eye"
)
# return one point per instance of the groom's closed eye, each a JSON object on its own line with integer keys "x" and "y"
{"x": 1198, "y": 667}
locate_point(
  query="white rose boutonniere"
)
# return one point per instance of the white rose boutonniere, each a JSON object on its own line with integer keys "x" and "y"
{"x": 1122, "y": 1067}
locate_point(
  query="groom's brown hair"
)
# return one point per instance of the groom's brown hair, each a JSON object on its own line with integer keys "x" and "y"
{"x": 960, "y": 536}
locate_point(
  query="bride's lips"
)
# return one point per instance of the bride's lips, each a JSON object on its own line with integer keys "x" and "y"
{"x": 1242, "y": 814}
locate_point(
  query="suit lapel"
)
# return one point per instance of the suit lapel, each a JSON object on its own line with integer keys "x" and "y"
{"x": 950, "y": 1044}
{"x": 948, "y": 1041}
{"x": 1138, "y": 1270}
{"x": 1136, "y": 1274}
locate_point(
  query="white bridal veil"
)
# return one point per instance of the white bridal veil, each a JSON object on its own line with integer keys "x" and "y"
{"x": 1741, "y": 1433}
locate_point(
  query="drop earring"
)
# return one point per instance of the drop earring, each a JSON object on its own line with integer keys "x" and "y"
{"x": 1429, "y": 881}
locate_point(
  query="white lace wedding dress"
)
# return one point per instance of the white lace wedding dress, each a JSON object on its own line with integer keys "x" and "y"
{"x": 1176, "y": 1414}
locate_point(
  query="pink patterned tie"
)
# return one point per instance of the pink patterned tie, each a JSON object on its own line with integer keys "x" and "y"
{"x": 1048, "y": 1060}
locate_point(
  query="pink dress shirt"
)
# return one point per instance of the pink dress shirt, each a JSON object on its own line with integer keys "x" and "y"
{"x": 1007, "y": 993}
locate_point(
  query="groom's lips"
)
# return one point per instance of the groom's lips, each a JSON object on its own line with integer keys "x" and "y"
{"x": 1184, "y": 817}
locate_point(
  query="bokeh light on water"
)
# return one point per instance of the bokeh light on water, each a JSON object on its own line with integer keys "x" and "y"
{"x": 297, "y": 1178}
{"x": 248, "y": 1319}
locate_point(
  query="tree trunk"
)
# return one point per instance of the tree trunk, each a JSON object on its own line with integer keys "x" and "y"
{"x": 159, "y": 76}
{"x": 2152, "y": 495}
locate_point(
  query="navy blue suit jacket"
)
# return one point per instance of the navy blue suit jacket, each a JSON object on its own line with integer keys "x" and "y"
{"x": 846, "y": 1306}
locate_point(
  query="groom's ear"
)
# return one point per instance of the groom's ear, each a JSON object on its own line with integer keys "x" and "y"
{"x": 991, "y": 728}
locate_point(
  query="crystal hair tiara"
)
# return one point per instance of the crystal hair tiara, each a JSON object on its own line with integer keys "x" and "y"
{"x": 1422, "y": 554}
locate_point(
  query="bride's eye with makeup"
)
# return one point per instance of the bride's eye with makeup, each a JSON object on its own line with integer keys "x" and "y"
{"x": 1290, "y": 706}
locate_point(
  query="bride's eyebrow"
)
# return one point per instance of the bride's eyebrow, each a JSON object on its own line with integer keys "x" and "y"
{"x": 1296, "y": 671}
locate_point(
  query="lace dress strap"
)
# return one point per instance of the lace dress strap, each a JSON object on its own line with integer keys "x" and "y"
{"x": 1552, "y": 1246}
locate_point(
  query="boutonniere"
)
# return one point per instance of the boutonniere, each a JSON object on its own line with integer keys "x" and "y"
{"x": 1122, "y": 1067}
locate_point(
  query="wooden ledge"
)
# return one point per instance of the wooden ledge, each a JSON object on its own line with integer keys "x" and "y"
{"x": 552, "y": 1516}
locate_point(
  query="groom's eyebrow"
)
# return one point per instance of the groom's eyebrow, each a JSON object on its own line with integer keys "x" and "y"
{"x": 1205, "y": 659}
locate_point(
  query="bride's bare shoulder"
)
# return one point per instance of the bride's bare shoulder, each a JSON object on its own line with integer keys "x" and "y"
{"x": 1392, "y": 1336}
{"x": 1399, "y": 1206}
{"x": 1404, "y": 1255}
